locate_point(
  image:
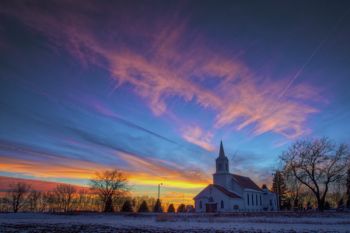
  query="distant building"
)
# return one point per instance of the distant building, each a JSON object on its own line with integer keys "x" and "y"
{"x": 232, "y": 192}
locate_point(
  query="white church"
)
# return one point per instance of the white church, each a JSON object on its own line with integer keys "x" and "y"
{"x": 232, "y": 193}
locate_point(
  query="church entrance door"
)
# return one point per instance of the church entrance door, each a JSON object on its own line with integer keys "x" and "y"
{"x": 211, "y": 207}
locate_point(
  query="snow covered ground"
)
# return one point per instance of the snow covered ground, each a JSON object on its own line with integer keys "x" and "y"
{"x": 29, "y": 222}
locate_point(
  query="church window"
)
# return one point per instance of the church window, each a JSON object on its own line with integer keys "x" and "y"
{"x": 222, "y": 204}
{"x": 226, "y": 167}
{"x": 200, "y": 204}
{"x": 260, "y": 200}
{"x": 256, "y": 199}
{"x": 252, "y": 200}
{"x": 219, "y": 166}
{"x": 248, "y": 198}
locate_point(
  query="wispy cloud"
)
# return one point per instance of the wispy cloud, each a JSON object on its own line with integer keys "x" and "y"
{"x": 198, "y": 137}
{"x": 173, "y": 61}
{"x": 140, "y": 170}
{"x": 104, "y": 110}
{"x": 153, "y": 171}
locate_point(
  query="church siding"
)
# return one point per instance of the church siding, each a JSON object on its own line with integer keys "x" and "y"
{"x": 232, "y": 192}
{"x": 251, "y": 200}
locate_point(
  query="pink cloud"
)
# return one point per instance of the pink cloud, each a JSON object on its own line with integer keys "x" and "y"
{"x": 173, "y": 61}
{"x": 198, "y": 137}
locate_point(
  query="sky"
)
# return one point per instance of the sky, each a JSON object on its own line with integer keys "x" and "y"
{"x": 152, "y": 87}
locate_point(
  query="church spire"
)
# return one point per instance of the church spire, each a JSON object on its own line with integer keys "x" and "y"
{"x": 222, "y": 152}
{"x": 222, "y": 161}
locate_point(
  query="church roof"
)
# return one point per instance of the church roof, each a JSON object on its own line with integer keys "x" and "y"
{"x": 225, "y": 191}
{"x": 246, "y": 182}
{"x": 221, "y": 189}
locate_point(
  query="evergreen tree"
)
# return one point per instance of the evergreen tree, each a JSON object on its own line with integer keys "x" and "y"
{"x": 348, "y": 189}
{"x": 171, "y": 208}
{"x": 127, "y": 207}
{"x": 143, "y": 207}
{"x": 158, "y": 207}
{"x": 181, "y": 208}
{"x": 279, "y": 187}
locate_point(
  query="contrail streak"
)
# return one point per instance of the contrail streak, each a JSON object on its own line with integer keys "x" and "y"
{"x": 335, "y": 27}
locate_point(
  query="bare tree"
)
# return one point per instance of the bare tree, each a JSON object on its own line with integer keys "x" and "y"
{"x": 294, "y": 188}
{"x": 316, "y": 164}
{"x": 85, "y": 201}
{"x": 33, "y": 200}
{"x": 110, "y": 185}
{"x": 64, "y": 195}
{"x": 17, "y": 195}
{"x": 49, "y": 200}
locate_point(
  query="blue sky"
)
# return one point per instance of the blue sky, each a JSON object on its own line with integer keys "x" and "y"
{"x": 152, "y": 88}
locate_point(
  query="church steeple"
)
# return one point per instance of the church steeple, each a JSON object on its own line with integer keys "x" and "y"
{"x": 222, "y": 161}
{"x": 222, "y": 152}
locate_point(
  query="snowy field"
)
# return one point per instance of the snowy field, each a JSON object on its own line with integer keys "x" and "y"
{"x": 278, "y": 222}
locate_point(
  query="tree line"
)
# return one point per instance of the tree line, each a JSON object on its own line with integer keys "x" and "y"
{"x": 314, "y": 174}
{"x": 109, "y": 192}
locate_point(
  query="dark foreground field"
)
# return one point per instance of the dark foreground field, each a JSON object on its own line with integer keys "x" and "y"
{"x": 276, "y": 222}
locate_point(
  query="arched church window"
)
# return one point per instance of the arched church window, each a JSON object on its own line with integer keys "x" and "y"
{"x": 226, "y": 167}
{"x": 211, "y": 199}
{"x": 200, "y": 204}
{"x": 248, "y": 198}
{"x": 222, "y": 204}
{"x": 256, "y": 199}
{"x": 252, "y": 200}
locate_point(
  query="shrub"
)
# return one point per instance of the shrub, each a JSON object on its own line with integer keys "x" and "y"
{"x": 143, "y": 207}
{"x": 127, "y": 207}
{"x": 171, "y": 208}
{"x": 181, "y": 208}
{"x": 158, "y": 207}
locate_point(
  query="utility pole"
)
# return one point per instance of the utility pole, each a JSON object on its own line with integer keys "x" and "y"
{"x": 159, "y": 190}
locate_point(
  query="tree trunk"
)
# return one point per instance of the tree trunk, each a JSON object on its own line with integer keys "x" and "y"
{"x": 320, "y": 205}
{"x": 108, "y": 205}
{"x": 16, "y": 206}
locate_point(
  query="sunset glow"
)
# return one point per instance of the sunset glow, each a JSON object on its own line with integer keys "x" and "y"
{"x": 152, "y": 89}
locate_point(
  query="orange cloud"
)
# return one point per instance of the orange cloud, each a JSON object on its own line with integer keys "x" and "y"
{"x": 60, "y": 168}
{"x": 141, "y": 171}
